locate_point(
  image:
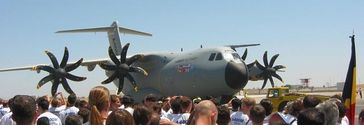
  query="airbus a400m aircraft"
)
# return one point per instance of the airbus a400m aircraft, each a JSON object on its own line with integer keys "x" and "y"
{"x": 216, "y": 71}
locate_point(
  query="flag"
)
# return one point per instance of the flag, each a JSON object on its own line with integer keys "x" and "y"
{"x": 349, "y": 91}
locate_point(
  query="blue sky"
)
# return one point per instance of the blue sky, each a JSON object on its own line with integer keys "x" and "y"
{"x": 311, "y": 36}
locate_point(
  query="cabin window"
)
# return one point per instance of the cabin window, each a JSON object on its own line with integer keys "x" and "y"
{"x": 212, "y": 56}
{"x": 219, "y": 56}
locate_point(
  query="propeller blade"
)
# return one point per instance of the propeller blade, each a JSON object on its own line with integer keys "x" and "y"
{"x": 55, "y": 87}
{"x": 271, "y": 81}
{"x": 245, "y": 54}
{"x": 277, "y": 76}
{"x": 121, "y": 84}
{"x": 250, "y": 65}
{"x": 132, "y": 81}
{"x": 132, "y": 59}
{"x": 46, "y": 68}
{"x": 74, "y": 78}
{"x": 53, "y": 59}
{"x": 113, "y": 57}
{"x": 138, "y": 70}
{"x": 65, "y": 58}
{"x": 277, "y": 67}
{"x": 272, "y": 60}
{"x": 107, "y": 67}
{"x": 124, "y": 51}
{"x": 110, "y": 79}
{"x": 45, "y": 80}
{"x": 264, "y": 83}
{"x": 260, "y": 66}
{"x": 73, "y": 66}
{"x": 66, "y": 86}
{"x": 265, "y": 59}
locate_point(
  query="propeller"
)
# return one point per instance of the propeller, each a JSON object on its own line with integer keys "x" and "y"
{"x": 122, "y": 68}
{"x": 243, "y": 57}
{"x": 269, "y": 71}
{"x": 59, "y": 73}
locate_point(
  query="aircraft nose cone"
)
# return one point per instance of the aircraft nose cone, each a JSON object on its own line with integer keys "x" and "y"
{"x": 236, "y": 75}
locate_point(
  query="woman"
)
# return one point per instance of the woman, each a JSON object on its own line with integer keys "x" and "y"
{"x": 120, "y": 117}
{"x": 99, "y": 100}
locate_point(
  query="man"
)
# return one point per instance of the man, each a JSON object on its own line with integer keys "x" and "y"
{"x": 311, "y": 116}
{"x": 205, "y": 113}
{"x": 241, "y": 117}
{"x": 24, "y": 109}
{"x": 43, "y": 106}
{"x": 70, "y": 109}
{"x": 257, "y": 115}
{"x": 310, "y": 101}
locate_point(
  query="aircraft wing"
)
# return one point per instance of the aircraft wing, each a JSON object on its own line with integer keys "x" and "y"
{"x": 89, "y": 63}
{"x": 239, "y": 46}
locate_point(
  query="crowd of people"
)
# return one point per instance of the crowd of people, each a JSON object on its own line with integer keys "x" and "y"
{"x": 101, "y": 108}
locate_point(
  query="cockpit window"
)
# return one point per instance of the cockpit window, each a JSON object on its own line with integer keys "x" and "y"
{"x": 212, "y": 56}
{"x": 236, "y": 56}
{"x": 219, "y": 56}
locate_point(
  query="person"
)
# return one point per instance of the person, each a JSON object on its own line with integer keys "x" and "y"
{"x": 4, "y": 109}
{"x": 115, "y": 103}
{"x": 99, "y": 99}
{"x": 73, "y": 120}
{"x": 360, "y": 93}
{"x": 142, "y": 114}
{"x": 149, "y": 100}
{"x": 120, "y": 117}
{"x": 235, "y": 103}
{"x": 310, "y": 101}
{"x": 57, "y": 104}
{"x": 330, "y": 110}
{"x": 84, "y": 113}
{"x": 257, "y": 114}
{"x": 184, "y": 105}
{"x": 128, "y": 104}
{"x": 43, "y": 121}
{"x": 241, "y": 117}
{"x": 205, "y": 113}
{"x": 71, "y": 109}
{"x": 43, "y": 106}
{"x": 277, "y": 118}
{"x": 361, "y": 117}
{"x": 311, "y": 116}
{"x": 24, "y": 109}
{"x": 223, "y": 117}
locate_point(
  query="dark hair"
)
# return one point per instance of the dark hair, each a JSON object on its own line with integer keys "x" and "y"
{"x": 141, "y": 114}
{"x": 223, "y": 115}
{"x": 43, "y": 103}
{"x": 267, "y": 105}
{"x": 120, "y": 117}
{"x": 72, "y": 99}
{"x": 23, "y": 108}
{"x": 128, "y": 101}
{"x": 176, "y": 105}
{"x": 361, "y": 115}
{"x": 311, "y": 116}
{"x": 85, "y": 114}
{"x": 73, "y": 120}
{"x": 236, "y": 103}
{"x": 185, "y": 102}
{"x": 43, "y": 121}
{"x": 310, "y": 101}
{"x": 151, "y": 98}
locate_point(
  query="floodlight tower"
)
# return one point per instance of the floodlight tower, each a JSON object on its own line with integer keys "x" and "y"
{"x": 305, "y": 82}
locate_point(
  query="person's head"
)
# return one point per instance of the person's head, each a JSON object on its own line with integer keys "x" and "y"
{"x": 55, "y": 102}
{"x": 73, "y": 120}
{"x": 311, "y": 116}
{"x": 186, "y": 104}
{"x": 83, "y": 104}
{"x": 205, "y": 113}
{"x": 115, "y": 102}
{"x": 141, "y": 114}
{"x": 120, "y": 117}
{"x": 84, "y": 113}
{"x": 176, "y": 105}
{"x": 43, "y": 105}
{"x": 268, "y": 106}
{"x": 71, "y": 100}
{"x": 361, "y": 117}
{"x": 235, "y": 103}
{"x": 310, "y": 101}
{"x": 24, "y": 109}
{"x": 294, "y": 107}
{"x": 330, "y": 111}
{"x": 150, "y": 99}
{"x": 246, "y": 104}
{"x": 43, "y": 121}
{"x": 223, "y": 117}
{"x": 257, "y": 114}
{"x": 99, "y": 99}
{"x": 128, "y": 101}
{"x": 166, "y": 105}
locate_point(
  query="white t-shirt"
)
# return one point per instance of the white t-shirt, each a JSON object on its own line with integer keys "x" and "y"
{"x": 7, "y": 120}
{"x": 4, "y": 111}
{"x": 238, "y": 118}
{"x": 68, "y": 111}
{"x": 130, "y": 110}
{"x": 53, "y": 119}
{"x": 179, "y": 118}
{"x": 166, "y": 113}
{"x": 56, "y": 110}
{"x": 344, "y": 121}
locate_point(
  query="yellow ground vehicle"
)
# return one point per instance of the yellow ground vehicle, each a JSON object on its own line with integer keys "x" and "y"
{"x": 281, "y": 95}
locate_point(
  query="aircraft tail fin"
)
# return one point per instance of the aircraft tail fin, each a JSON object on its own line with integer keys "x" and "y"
{"x": 113, "y": 32}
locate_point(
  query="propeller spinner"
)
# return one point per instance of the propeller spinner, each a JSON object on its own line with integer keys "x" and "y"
{"x": 59, "y": 73}
{"x": 122, "y": 68}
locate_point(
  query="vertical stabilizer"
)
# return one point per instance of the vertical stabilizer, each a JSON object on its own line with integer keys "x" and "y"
{"x": 113, "y": 32}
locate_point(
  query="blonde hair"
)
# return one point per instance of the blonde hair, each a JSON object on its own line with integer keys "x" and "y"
{"x": 99, "y": 98}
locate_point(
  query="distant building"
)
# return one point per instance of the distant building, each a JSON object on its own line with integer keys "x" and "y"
{"x": 340, "y": 86}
